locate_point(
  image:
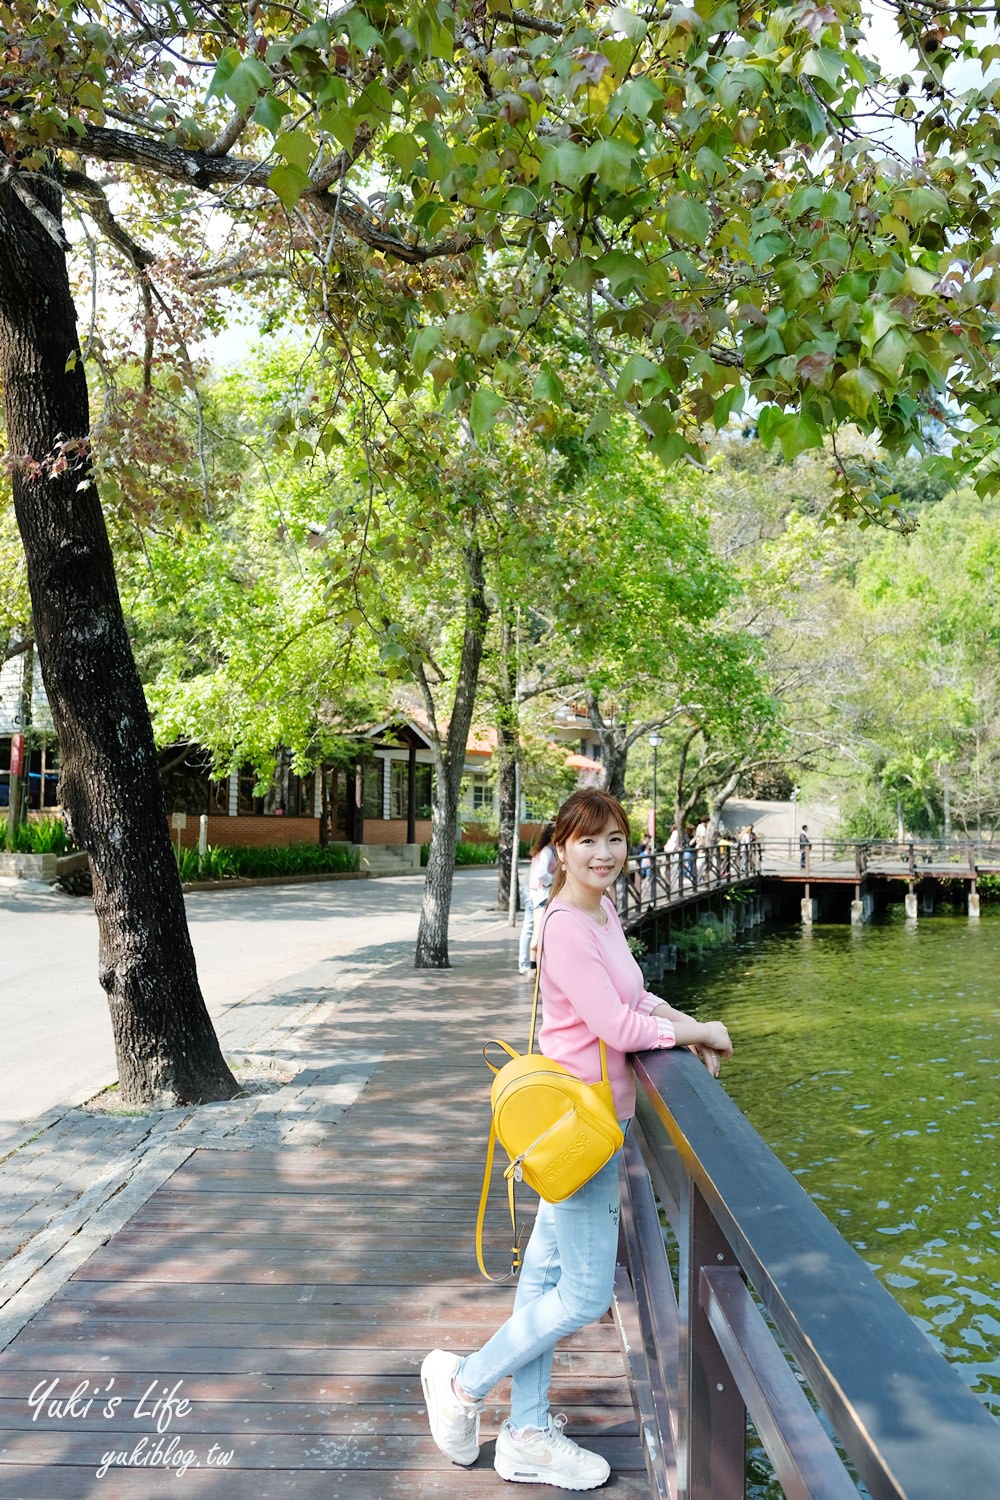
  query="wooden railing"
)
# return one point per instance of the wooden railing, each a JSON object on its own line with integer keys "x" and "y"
{"x": 909, "y": 857}
{"x": 757, "y": 1262}
{"x": 652, "y": 882}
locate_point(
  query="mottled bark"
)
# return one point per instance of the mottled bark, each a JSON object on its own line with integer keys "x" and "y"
{"x": 507, "y": 753}
{"x": 166, "y": 1047}
{"x": 432, "y": 934}
{"x": 614, "y": 748}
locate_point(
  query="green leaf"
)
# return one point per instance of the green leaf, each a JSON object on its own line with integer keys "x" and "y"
{"x": 269, "y": 113}
{"x": 796, "y": 434}
{"x": 769, "y": 420}
{"x": 548, "y": 386}
{"x": 611, "y": 161}
{"x": 246, "y": 81}
{"x": 229, "y": 60}
{"x": 637, "y": 97}
{"x": 520, "y": 200}
{"x": 625, "y": 20}
{"x": 486, "y": 403}
{"x": 562, "y": 163}
{"x": 688, "y": 220}
{"x": 289, "y": 182}
{"x": 857, "y": 389}
{"x": 635, "y": 370}
{"x": 426, "y": 341}
{"x": 824, "y": 63}
{"x": 404, "y": 149}
{"x": 296, "y": 147}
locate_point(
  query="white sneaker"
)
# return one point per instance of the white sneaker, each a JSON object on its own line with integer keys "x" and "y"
{"x": 454, "y": 1426}
{"x": 548, "y": 1457}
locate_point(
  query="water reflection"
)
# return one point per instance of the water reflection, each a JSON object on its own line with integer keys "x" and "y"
{"x": 867, "y": 1059}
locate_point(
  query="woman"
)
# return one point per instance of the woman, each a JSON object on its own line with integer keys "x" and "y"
{"x": 541, "y": 874}
{"x": 591, "y": 989}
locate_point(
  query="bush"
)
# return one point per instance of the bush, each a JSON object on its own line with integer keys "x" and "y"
{"x": 707, "y": 935}
{"x": 240, "y": 861}
{"x": 465, "y": 853}
{"x": 37, "y": 836}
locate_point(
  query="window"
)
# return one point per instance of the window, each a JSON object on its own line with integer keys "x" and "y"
{"x": 247, "y": 802}
{"x": 397, "y": 788}
{"x": 371, "y": 796}
{"x": 482, "y": 797}
{"x": 422, "y": 789}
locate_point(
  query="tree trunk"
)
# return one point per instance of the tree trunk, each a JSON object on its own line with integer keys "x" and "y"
{"x": 432, "y": 934}
{"x": 507, "y": 752}
{"x": 165, "y": 1044}
{"x": 614, "y": 748}
{"x": 508, "y": 841}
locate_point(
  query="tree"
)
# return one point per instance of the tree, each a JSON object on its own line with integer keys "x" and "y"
{"x": 436, "y": 183}
{"x": 165, "y": 1045}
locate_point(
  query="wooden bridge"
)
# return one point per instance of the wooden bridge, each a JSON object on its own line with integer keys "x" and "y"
{"x": 670, "y": 882}
{"x": 262, "y": 1318}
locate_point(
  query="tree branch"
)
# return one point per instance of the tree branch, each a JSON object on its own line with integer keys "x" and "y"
{"x": 199, "y": 169}
{"x": 82, "y": 186}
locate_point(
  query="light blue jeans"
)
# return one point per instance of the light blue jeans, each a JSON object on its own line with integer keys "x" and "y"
{"x": 567, "y": 1277}
{"x": 531, "y": 917}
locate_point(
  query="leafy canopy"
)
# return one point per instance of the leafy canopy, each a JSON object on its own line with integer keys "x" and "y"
{"x": 723, "y": 201}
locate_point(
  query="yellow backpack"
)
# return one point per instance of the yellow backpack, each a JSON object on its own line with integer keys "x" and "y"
{"x": 557, "y": 1131}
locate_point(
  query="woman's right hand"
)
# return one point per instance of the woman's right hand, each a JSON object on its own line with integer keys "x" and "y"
{"x": 716, "y": 1037}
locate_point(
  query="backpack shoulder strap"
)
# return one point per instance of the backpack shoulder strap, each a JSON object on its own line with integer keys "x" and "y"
{"x": 515, "y": 1249}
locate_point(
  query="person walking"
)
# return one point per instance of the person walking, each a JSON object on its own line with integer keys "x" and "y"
{"x": 805, "y": 844}
{"x": 592, "y": 990}
{"x": 541, "y": 874}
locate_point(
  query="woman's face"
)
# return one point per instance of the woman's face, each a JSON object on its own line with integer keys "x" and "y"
{"x": 594, "y": 862}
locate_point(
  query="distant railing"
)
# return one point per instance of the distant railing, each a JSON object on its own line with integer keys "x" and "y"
{"x": 911, "y": 857}
{"x": 651, "y": 882}
{"x": 754, "y": 1252}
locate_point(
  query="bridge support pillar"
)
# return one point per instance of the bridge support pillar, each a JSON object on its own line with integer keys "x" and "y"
{"x": 861, "y": 909}
{"x": 910, "y": 903}
{"x": 810, "y": 910}
{"x": 973, "y": 900}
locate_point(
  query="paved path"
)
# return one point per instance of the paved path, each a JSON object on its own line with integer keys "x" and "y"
{"x": 68, "y": 1173}
{"x": 288, "y": 1259}
{"x": 57, "y": 1044}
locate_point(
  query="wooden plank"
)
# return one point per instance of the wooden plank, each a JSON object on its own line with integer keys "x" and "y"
{"x": 329, "y": 1391}
{"x": 385, "y": 1417}
{"x": 292, "y": 1294}
{"x": 447, "y": 1482}
{"x": 118, "y": 1356}
{"x": 345, "y": 1331}
{"x": 270, "y": 1450}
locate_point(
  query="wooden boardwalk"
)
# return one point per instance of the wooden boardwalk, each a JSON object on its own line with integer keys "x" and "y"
{"x": 287, "y": 1298}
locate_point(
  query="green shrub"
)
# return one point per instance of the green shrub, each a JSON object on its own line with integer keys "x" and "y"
{"x": 465, "y": 853}
{"x": 37, "y": 836}
{"x": 707, "y": 935}
{"x": 241, "y": 861}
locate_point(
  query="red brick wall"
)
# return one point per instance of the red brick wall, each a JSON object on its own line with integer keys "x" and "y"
{"x": 258, "y": 832}
{"x": 393, "y": 831}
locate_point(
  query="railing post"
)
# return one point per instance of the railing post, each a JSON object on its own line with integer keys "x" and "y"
{"x": 712, "y": 1416}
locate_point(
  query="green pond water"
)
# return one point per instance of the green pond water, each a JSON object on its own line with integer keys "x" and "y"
{"x": 867, "y": 1058}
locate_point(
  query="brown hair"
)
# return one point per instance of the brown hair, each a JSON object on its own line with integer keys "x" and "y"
{"x": 583, "y": 815}
{"x": 543, "y": 838}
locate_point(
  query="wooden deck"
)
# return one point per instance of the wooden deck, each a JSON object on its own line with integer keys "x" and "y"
{"x": 289, "y": 1297}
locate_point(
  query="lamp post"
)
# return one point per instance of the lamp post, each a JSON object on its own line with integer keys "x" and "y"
{"x": 656, "y": 741}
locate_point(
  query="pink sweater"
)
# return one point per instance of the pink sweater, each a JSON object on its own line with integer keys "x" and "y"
{"x": 592, "y": 987}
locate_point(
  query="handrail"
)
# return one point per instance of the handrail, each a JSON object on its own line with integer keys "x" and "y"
{"x": 653, "y": 882}
{"x": 909, "y": 1425}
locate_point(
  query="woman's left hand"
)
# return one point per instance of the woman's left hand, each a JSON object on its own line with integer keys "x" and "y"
{"x": 711, "y": 1058}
